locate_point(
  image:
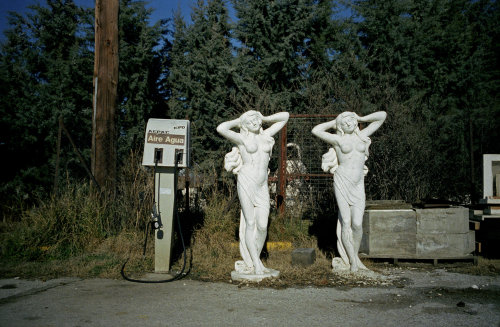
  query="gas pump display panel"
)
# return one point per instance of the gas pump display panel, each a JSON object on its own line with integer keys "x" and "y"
{"x": 165, "y": 141}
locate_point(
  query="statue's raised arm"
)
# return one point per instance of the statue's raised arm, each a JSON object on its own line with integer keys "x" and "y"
{"x": 321, "y": 131}
{"x": 279, "y": 120}
{"x": 375, "y": 120}
{"x": 225, "y": 129}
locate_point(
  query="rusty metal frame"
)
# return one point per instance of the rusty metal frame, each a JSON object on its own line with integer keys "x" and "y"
{"x": 283, "y": 178}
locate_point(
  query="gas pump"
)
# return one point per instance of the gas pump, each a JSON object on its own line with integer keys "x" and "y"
{"x": 166, "y": 148}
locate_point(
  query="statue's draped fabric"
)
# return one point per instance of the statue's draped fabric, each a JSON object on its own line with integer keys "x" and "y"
{"x": 258, "y": 194}
{"x": 352, "y": 192}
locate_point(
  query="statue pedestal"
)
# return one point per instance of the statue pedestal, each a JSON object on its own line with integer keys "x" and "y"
{"x": 339, "y": 265}
{"x": 241, "y": 273}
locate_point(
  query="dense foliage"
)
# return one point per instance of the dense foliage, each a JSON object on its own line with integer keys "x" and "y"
{"x": 201, "y": 78}
{"x": 46, "y": 68}
{"x": 46, "y": 72}
{"x": 433, "y": 65}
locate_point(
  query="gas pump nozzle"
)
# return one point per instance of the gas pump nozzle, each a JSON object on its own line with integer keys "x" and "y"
{"x": 155, "y": 218}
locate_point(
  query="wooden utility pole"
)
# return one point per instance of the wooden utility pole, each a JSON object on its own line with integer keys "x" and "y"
{"x": 105, "y": 93}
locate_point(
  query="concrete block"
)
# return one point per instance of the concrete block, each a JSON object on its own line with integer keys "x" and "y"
{"x": 490, "y": 201}
{"x": 492, "y": 210}
{"x": 303, "y": 256}
{"x": 425, "y": 233}
{"x": 389, "y": 232}
{"x": 390, "y": 221}
{"x": 445, "y": 245}
{"x": 387, "y": 205}
{"x": 443, "y": 220}
{"x": 473, "y": 213}
{"x": 471, "y": 241}
{"x": 389, "y": 244}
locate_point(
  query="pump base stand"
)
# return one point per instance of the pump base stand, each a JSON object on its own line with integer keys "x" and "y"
{"x": 165, "y": 188}
{"x": 250, "y": 276}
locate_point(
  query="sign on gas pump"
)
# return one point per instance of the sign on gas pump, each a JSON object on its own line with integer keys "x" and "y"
{"x": 164, "y": 140}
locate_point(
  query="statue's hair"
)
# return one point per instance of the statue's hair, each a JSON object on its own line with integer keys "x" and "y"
{"x": 339, "y": 120}
{"x": 233, "y": 161}
{"x": 329, "y": 161}
{"x": 244, "y": 118}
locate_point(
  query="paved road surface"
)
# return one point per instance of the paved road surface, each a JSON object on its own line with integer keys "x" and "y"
{"x": 431, "y": 298}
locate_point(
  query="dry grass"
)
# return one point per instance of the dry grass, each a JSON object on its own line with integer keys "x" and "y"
{"x": 484, "y": 267}
{"x": 79, "y": 232}
{"x": 103, "y": 258}
{"x": 212, "y": 254}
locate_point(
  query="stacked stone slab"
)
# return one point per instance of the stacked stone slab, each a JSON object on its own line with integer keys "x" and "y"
{"x": 390, "y": 233}
{"x": 437, "y": 233}
{"x": 491, "y": 208}
{"x": 444, "y": 232}
{"x": 491, "y": 171}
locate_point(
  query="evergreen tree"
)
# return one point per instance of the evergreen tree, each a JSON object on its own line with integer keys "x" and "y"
{"x": 46, "y": 72}
{"x": 337, "y": 76}
{"x": 144, "y": 59}
{"x": 201, "y": 78}
{"x": 46, "y": 68}
{"x": 437, "y": 55}
{"x": 275, "y": 37}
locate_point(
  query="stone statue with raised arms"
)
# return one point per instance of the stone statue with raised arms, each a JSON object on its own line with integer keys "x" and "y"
{"x": 249, "y": 160}
{"x": 346, "y": 161}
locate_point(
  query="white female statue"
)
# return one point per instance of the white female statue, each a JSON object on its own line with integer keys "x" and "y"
{"x": 249, "y": 160}
{"x": 346, "y": 160}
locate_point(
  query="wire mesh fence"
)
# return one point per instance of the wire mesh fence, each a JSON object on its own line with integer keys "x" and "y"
{"x": 297, "y": 181}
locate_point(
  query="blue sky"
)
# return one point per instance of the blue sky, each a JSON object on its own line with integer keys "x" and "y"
{"x": 163, "y": 9}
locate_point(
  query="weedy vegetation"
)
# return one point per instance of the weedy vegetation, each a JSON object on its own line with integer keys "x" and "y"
{"x": 81, "y": 232}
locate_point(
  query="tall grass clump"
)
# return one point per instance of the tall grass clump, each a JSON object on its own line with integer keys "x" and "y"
{"x": 79, "y": 218}
{"x": 288, "y": 228}
{"x": 60, "y": 226}
{"x": 213, "y": 243}
{"x": 83, "y": 232}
